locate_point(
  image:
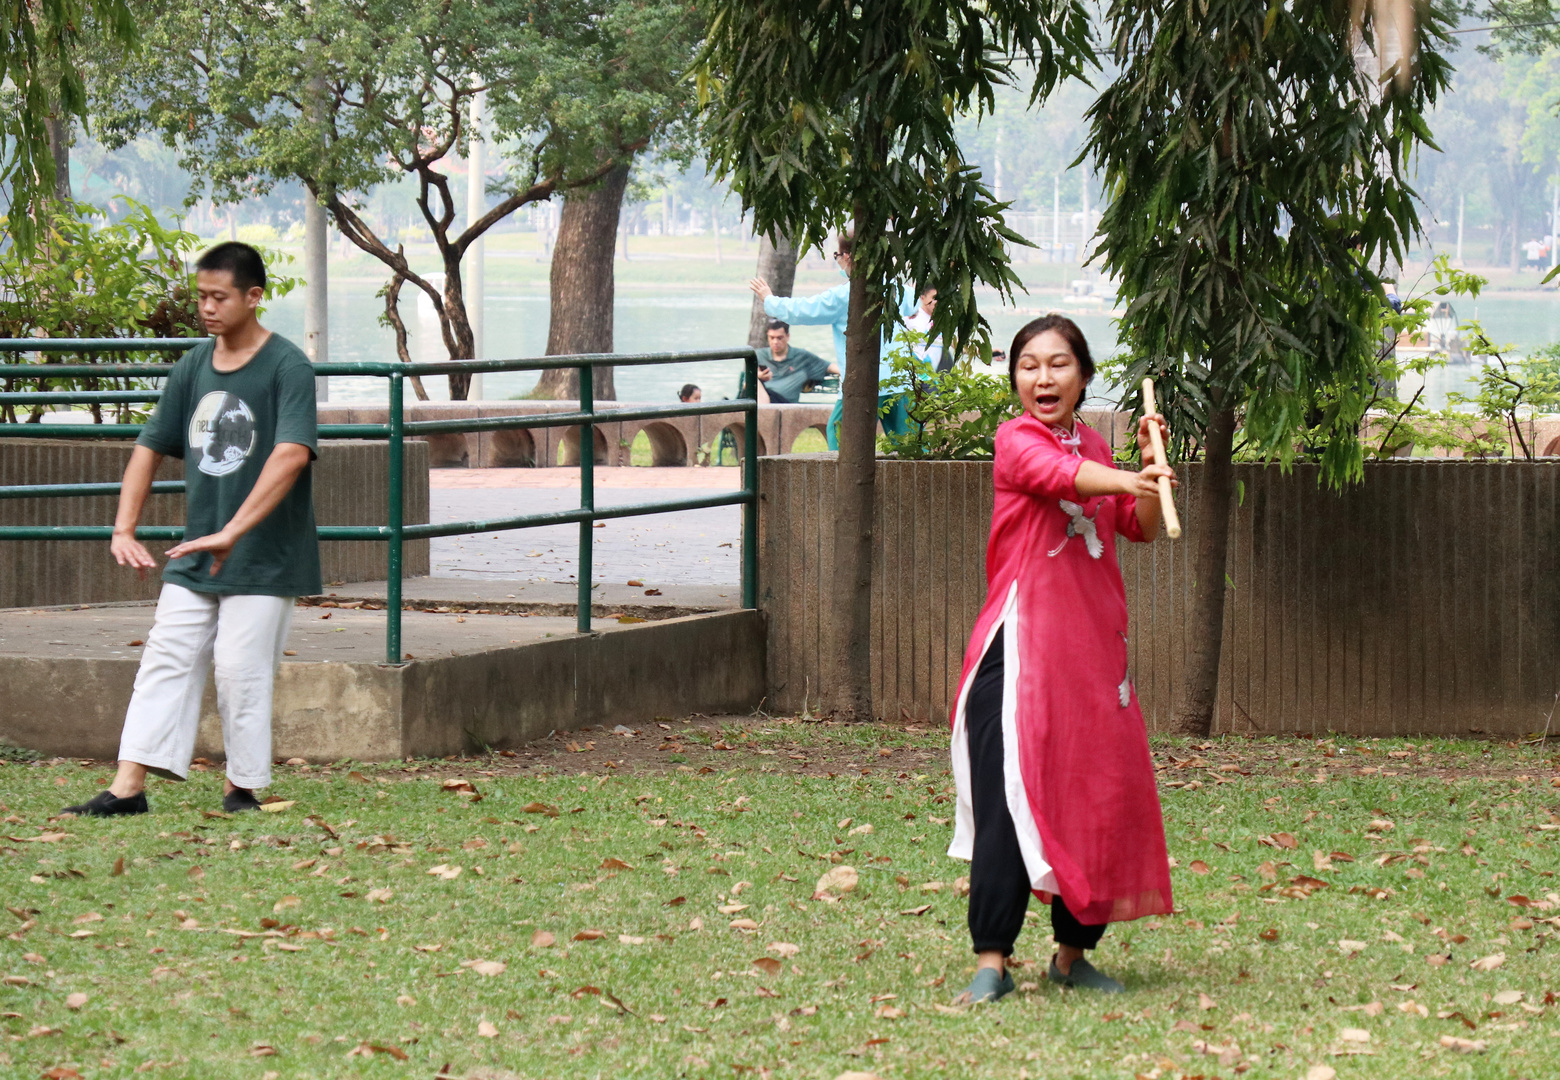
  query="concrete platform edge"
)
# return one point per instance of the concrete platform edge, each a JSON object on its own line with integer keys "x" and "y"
{"x": 496, "y": 698}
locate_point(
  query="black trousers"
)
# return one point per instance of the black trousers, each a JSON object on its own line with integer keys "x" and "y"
{"x": 999, "y": 884}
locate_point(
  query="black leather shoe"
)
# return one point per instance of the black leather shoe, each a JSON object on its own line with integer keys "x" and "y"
{"x": 107, "y": 804}
{"x": 240, "y": 799}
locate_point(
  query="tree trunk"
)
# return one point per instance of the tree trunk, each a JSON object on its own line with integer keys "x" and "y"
{"x": 582, "y": 285}
{"x": 59, "y": 149}
{"x": 1205, "y": 623}
{"x": 776, "y": 265}
{"x": 1516, "y": 240}
{"x": 855, "y": 503}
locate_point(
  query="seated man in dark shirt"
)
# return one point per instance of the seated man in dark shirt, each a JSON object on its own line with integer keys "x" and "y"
{"x": 784, "y": 370}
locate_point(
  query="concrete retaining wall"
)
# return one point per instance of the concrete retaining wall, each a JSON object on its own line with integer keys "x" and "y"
{"x": 673, "y": 441}
{"x": 376, "y": 712}
{"x": 1425, "y": 601}
{"x": 349, "y": 489}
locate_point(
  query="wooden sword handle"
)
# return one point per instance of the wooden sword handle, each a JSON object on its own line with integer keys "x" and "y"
{"x": 1166, "y": 502}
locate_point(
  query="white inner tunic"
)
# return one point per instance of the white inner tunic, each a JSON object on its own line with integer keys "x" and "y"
{"x": 1041, "y": 876}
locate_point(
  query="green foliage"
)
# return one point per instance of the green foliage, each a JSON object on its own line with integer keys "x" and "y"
{"x": 85, "y": 278}
{"x": 954, "y": 414}
{"x": 1257, "y": 176}
{"x": 1494, "y": 421}
{"x": 831, "y": 112}
{"x": 39, "y": 45}
{"x": 1510, "y": 394}
{"x": 345, "y": 95}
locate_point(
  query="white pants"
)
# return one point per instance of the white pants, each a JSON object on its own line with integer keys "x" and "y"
{"x": 242, "y": 637}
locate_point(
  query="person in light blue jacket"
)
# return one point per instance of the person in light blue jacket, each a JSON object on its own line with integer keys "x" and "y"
{"x": 832, "y": 308}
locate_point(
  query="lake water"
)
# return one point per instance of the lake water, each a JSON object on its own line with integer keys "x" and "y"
{"x": 678, "y": 318}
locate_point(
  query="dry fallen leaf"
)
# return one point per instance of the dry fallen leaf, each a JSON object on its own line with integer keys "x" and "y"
{"x": 1488, "y": 963}
{"x": 744, "y": 924}
{"x": 486, "y": 967}
{"x": 76, "y": 1000}
{"x": 1463, "y": 1046}
{"x": 1348, "y": 946}
{"x": 921, "y": 910}
{"x": 784, "y": 948}
{"x": 89, "y": 917}
{"x": 1508, "y": 997}
{"x": 630, "y": 939}
{"x": 406, "y": 1000}
{"x": 119, "y": 867}
{"x": 486, "y": 1029}
{"x": 836, "y": 882}
{"x": 1321, "y": 1072}
{"x": 278, "y": 806}
{"x": 588, "y": 935}
{"x": 543, "y": 939}
{"x": 768, "y": 964}
{"x": 380, "y": 896}
{"x": 1206, "y": 1002}
{"x": 1354, "y": 1035}
{"x": 1198, "y": 867}
{"x": 614, "y": 864}
{"x": 286, "y": 902}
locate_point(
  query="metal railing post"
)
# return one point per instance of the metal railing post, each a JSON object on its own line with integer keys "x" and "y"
{"x": 750, "y": 482}
{"x": 587, "y": 494}
{"x": 397, "y": 526}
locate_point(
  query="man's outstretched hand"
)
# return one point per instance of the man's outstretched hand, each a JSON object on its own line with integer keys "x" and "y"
{"x": 220, "y": 544}
{"x": 128, "y": 551}
{"x": 760, "y": 288}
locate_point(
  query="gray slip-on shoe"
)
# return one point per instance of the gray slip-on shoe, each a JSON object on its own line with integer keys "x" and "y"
{"x": 1084, "y": 976}
{"x": 988, "y": 986}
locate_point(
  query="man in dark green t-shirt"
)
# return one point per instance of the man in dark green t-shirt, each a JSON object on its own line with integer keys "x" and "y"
{"x": 239, "y": 409}
{"x": 786, "y": 370}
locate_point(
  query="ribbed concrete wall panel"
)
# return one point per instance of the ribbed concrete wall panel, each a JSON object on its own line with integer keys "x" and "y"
{"x": 350, "y": 488}
{"x": 1424, "y": 601}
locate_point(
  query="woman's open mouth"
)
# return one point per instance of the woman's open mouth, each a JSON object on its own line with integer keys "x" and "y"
{"x": 1048, "y": 401}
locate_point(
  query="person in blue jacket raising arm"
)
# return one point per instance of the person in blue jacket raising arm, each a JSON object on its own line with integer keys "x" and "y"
{"x": 832, "y": 308}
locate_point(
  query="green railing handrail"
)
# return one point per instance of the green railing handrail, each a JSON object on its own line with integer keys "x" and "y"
{"x": 395, "y": 532}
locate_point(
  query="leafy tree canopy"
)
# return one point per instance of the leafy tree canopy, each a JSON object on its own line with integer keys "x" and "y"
{"x": 348, "y": 94}
{"x": 39, "y": 46}
{"x": 832, "y": 112}
{"x": 1256, "y": 157}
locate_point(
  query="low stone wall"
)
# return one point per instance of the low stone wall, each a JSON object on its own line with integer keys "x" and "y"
{"x": 673, "y": 442}
{"x": 455, "y": 704}
{"x": 1424, "y": 601}
{"x": 350, "y": 488}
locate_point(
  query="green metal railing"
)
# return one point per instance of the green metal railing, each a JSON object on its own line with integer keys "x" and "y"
{"x": 395, "y": 532}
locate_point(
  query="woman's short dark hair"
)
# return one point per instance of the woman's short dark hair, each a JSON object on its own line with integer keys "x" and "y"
{"x": 238, "y": 259}
{"x": 1070, "y": 333}
{"x": 688, "y": 390}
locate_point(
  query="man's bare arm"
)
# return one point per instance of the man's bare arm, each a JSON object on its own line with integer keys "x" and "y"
{"x": 133, "y": 490}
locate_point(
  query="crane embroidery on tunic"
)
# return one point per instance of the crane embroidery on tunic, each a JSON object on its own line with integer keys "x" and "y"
{"x": 1080, "y": 524}
{"x": 1124, "y": 691}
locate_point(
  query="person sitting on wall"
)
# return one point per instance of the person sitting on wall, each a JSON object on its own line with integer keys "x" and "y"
{"x": 690, "y": 394}
{"x": 785, "y": 370}
{"x": 239, "y": 409}
{"x": 832, "y": 308}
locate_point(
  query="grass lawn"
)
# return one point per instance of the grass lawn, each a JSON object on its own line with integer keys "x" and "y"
{"x": 606, "y": 905}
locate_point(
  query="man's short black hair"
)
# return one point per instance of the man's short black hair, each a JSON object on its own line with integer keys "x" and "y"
{"x": 238, "y": 259}
{"x": 777, "y": 324}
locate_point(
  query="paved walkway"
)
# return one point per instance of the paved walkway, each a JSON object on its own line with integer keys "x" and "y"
{"x": 688, "y": 547}
{"x": 118, "y": 632}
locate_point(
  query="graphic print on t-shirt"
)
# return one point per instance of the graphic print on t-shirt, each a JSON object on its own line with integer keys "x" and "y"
{"x": 222, "y": 428}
